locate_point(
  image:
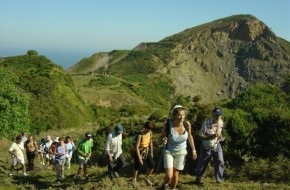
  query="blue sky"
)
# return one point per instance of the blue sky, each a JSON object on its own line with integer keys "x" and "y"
{"x": 68, "y": 30}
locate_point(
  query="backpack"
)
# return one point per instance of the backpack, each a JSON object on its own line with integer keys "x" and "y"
{"x": 135, "y": 136}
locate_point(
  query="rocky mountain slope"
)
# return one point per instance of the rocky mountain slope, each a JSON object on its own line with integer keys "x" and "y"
{"x": 216, "y": 60}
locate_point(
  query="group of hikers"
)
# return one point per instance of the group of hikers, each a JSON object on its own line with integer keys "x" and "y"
{"x": 175, "y": 134}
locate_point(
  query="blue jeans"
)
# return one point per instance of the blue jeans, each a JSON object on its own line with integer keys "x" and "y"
{"x": 205, "y": 157}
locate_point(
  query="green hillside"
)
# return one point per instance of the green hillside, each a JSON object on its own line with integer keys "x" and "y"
{"x": 53, "y": 102}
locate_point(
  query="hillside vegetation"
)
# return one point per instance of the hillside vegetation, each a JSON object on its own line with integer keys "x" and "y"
{"x": 41, "y": 96}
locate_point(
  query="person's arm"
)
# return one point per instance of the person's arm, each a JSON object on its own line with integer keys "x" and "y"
{"x": 202, "y": 133}
{"x": 36, "y": 147}
{"x": 11, "y": 150}
{"x": 79, "y": 149}
{"x": 108, "y": 148}
{"x": 191, "y": 141}
{"x": 151, "y": 144}
{"x": 138, "y": 141}
{"x": 164, "y": 135}
{"x": 81, "y": 153}
{"x": 66, "y": 149}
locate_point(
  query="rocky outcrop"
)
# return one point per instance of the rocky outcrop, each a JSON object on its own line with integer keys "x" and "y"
{"x": 216, "y": 60}
{"x": 220, "y": 59}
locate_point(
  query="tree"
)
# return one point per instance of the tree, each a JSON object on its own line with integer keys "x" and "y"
{"x": 32, "y": 53}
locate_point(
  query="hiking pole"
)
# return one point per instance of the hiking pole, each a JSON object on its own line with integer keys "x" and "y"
{"x": 160, "y": 159}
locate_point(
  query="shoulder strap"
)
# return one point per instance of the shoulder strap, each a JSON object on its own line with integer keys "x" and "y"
{"x": 167, "y": 127}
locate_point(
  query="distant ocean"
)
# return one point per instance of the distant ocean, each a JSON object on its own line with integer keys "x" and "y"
{"x": 64, "y": 58}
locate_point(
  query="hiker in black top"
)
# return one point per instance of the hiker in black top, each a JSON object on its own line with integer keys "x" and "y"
{"x": 143, "y": 151}
{"x": 31, "y": 151}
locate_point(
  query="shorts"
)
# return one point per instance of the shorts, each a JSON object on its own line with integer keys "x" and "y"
{"x": 17, "y": 160}
{"x": 59, "y": 162}
{"x": 82, "y": 162}
{"x": 174, "y": 159}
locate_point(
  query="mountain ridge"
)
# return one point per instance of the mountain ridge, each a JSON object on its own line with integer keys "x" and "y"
{"x": 216, "y": 60}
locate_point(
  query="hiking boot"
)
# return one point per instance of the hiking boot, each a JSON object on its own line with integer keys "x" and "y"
{"x": 111, "y": 174}
{"x": 163, "y": 187}
{"x": 78, "y": 177}
{"x": 198, "y": 181}
{"x": 116, "y": 174}
{"x": 220, "y": 181}
{"x": 148, "y": 182}
{"x": 88, "y": 179}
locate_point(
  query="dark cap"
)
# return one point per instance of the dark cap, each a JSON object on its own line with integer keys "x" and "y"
{"x": 89, "y": 135}
{"x": 119, "y": 128}
{"x": 217, "y": 111}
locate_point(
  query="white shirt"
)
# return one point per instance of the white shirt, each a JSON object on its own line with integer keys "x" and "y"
{"x": 114, "y": 145}
{"x": 17, "y": 150}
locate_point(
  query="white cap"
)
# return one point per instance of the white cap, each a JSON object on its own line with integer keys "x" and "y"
{"x": 177, "y": 106}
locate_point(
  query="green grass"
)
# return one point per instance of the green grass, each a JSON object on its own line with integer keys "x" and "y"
{"x": 44, "y": 178}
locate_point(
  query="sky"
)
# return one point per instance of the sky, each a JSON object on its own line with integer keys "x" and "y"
{"x": 67, "y": 31}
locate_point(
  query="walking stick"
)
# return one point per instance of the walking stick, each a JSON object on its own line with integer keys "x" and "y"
{"x": 17, "y": 167}
{"x": 160, "y": 159}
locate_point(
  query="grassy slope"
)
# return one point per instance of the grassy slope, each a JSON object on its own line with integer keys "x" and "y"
{"x": 44, "y": 177}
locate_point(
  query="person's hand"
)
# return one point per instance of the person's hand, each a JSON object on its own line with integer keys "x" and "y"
{"x": 164, "y": 140}
{"x": 141, "y": 162}
{"x": 88, "y": 155}
{"x": 214, "y": 125}
{"x": 194, "y": 155}
{"x": 110, "y": 159}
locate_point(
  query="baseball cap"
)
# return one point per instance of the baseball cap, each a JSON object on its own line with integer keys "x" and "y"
{"x": 89, "y": 135}
{"x": 217, "y": 111}
{"x": 119, "y": 128}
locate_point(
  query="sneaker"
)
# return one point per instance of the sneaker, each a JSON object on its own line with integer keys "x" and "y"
{"x": 116, "y": 174}
{"x": 10, "y": 174}
{"x": 25, "y": 174}
{"x": 148, "y": 182}
{"x": 134, "y": 182}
